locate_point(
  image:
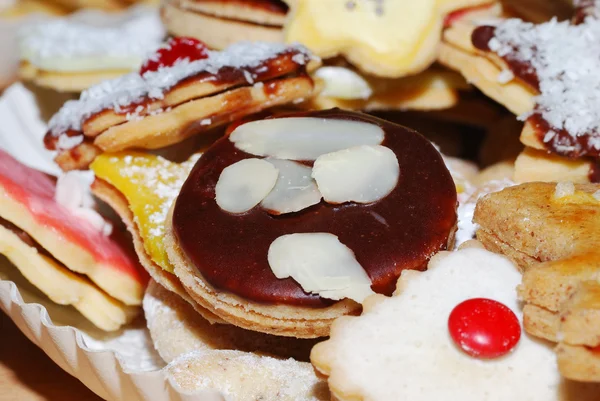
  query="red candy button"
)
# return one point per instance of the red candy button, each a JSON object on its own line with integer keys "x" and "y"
{"x": 484, "y": 328}
{"x": 176, "y": 49}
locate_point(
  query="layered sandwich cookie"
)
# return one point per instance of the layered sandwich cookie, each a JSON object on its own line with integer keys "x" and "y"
{"x": 220, "y": 23}
{"x": 86, "y": 48}
{"x": 290, "y": 222}
{"x": 63, "y": 246}
{"x": 453, "y": 329}
{"x": 545, "y": 74}
{"x": 182, "y": 90}
{"x": 141, "y": 188}
{"x": 550, "y": 231}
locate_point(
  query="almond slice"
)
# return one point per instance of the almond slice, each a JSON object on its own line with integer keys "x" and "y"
{"x": 295, "y": 189}
{"x": 343, "y": 83}
{"x": 321, "y": 264}
{"x": 362, "y": 174}
{"x": 245, "y": 184}
{"x": 303, "y": 138}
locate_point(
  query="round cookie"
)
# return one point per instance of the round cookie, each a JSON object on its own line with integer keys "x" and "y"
{"x": 400, "y": 348}
{"x": 220, "y": 24}
{"x": 238, "y": 284}
{"x": 177, "y": 329}
{"x": 243, "y": 376}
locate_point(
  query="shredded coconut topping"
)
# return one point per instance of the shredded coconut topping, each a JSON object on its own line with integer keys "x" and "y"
{"x": 565, "y": 58}
{"x": 131, "y": 36}
{"x": 132, "y": 88}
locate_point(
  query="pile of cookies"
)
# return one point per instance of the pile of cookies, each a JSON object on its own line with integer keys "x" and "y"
{"x": 243, "y": 174}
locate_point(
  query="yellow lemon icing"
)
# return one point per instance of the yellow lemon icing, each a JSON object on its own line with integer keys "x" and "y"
{"x": 150, "y": 184}
{"x": 390, "y": 38}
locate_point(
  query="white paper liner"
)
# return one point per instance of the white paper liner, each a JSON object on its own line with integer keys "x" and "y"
{"x": 120, "y": 366}
{"x": 135, "y": 375}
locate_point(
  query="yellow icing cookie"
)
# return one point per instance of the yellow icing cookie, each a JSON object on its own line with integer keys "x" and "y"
{"x": 389, "y": 38}
{"x": 150, "y": 184}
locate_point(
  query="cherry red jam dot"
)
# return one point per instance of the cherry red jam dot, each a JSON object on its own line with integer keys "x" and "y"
{"x": 176, "y": 49}
{"x": 484, "y": 328}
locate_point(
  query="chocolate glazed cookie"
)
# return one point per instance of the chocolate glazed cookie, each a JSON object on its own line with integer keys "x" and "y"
{"x": 221, "y": 257}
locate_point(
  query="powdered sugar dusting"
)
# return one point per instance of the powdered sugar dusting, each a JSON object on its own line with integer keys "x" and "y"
{"x": 565, "y": 59}
{"x": 466, "y": 209}
{"x": 117, "y": 40}
{"x": 242, "y": 375}
{"x": 162, "y": 179}
{"x": 133, "y": 88}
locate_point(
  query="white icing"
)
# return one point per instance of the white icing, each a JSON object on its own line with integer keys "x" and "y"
{"x": 321, "y": 264}
{"x": 92, "y": 41}
{"x": 303, "y": 138}
{"x": 596, "y": 195}
{"x": 400, "y": 349}
{"x": 131, "y": 88}
{"x": 361, "y": 174}
{"x": 22, "y": 130}
{"x": 244, "y": 184}
{"x": 74, "y": 193}
{"x": 295, "y": 189}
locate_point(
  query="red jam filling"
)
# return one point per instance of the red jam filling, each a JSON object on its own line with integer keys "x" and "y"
{"x": 35, "y": 191}
{"x": 179, "y": 48}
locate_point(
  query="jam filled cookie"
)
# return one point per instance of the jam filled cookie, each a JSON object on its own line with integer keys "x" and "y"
{"x": 176, "y": 329}
{"x": 141, "y": 188}
{"x": 64, "y": 247}
{"x": 463, "y": 341}
{"x": 344, "y": 85}
{"x": 545, "y": 73}
{"x": 73, "y": 53}
{"x": 182, "y": 90}
{"x": 289, "y": 222}
{"x": 560, "y": 259}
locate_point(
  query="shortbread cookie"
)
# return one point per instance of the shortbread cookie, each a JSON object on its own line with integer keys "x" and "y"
{"x": 344, "y": 87}
{"x": 523, "y": 66}
{"x": 560, "y": 257}
{"x": 415, "y": 346}
{"x": 273, "y": 220}
{"x": 389, "y": 39}
{"x": 183, "y": 90}
{"x": 243, "y": 376}
{"x": 86, "y": 48}
{"x": 176, "y": 329}
{"x": 532, "y": 219}
{"x": 61, "y": 219}
{"x": 220, "y": 24}
{"x": 141, "y": 188}
{"x": 60, "y": 284}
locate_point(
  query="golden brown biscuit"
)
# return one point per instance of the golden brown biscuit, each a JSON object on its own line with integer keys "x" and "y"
{"x": 176, "y": 329}
{"x": 220, "y": 24}
{"x": 551, "y": 233}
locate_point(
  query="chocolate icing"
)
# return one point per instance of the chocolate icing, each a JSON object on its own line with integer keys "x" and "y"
{"x": 562, "y": 143}
{"x": 280, "y": 66}
{"x": 401, "y": 231}
{"x": 481, "y": 37}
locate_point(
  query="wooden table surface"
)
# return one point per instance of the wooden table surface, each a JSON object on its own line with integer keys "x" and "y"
{"x": 27, "y": 374}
